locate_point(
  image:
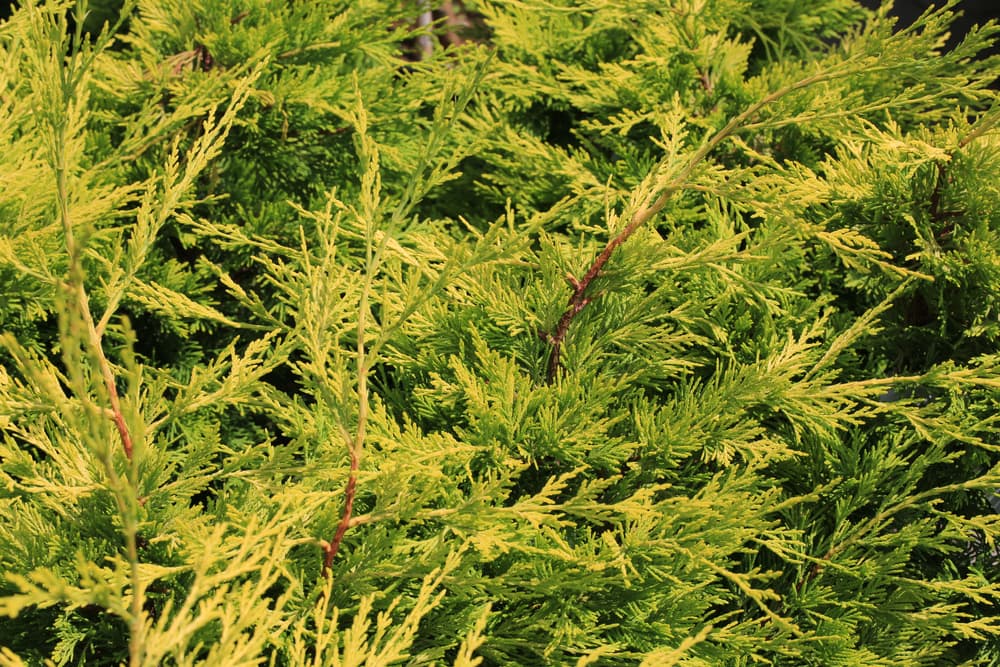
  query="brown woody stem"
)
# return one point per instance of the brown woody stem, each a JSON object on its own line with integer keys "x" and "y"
{"x": 345, "y": 519}
{"x": 117, "y": 416}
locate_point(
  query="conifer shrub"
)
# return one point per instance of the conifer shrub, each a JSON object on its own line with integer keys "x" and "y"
{"x": 619, "y": 334}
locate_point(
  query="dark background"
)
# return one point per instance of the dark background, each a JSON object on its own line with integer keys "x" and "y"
{"x": 974, "y": 12}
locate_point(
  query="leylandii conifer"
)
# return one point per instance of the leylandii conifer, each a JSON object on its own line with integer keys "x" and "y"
{"x": 563, "y": 332}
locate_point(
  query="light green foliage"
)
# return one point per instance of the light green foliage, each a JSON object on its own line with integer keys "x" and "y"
{"x": 279, "y": 308}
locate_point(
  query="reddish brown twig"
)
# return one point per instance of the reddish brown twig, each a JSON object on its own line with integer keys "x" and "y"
{"x": 330, "y": 551}
{"x": 97, "y": 343}
{"x": 579, "y": 299}
{"x": 354, "y": 444}
{"x": 107, "y": 375}
{"x": 119, "y": 420}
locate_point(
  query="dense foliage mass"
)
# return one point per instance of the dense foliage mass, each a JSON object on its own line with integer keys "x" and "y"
{"x": 614, "y": 333}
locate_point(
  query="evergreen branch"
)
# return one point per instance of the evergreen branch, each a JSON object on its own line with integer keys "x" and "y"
{"x": 75, "y": 284}
{"x": 985, "y": 123}
{"x": 81, "y": 299}
{"x": 376, "y": 244}
{"x": 759, "y": 597}
{"x": 355, "y": 443}
{"x": 107, "y": 374}
{"x": 371, "y": 190}
{"x": 862, "y": 326}
{"x": 580, "y": 297}
{"x": 472, "y": 641}
{"x": 94, "y": 338}
{"x": 870, "y": 525}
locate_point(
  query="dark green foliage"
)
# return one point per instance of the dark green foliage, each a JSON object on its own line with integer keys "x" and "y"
{"x": 628, "y": 334}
